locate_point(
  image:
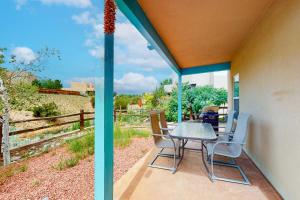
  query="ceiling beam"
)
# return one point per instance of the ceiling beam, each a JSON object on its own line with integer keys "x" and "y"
{"x": 206, "y": 68}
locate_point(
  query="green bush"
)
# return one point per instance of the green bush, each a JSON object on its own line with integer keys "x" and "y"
{"x": 121, "y": 101}
{"x": 194, "y": 99}
{"x": 48, "y": 83}
{"x": 46, "y": 110}
{"x": 84, "y": 146}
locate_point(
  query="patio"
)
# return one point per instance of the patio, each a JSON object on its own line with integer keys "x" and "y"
{"x": 191, "y": 181}
{"x": 257, "y": 42}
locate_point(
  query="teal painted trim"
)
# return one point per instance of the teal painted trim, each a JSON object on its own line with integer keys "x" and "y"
{"x": 133, "y": 11}
{"x": 179, "y": 88}
{"x": 206, "y": 68}
{"x": 104, "y": 125}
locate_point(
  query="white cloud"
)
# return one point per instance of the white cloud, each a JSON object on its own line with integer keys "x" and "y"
{"x": 135, "y": 83}
{"x": 24, "y": 55}
{"x": 73, "y": 3}
{"x": 130, "y": 46}
{"x": 130, "y": 83}
{"x": 20, "y": 4}
{"x": 97, "y": 51}
{"x": 84, "y": 18}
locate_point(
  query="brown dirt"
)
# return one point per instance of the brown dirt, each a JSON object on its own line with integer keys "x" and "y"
{"x": 41, "y": 180}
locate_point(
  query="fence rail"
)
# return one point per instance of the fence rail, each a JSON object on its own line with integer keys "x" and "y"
{"x": 81, "y": 119}
{"x": 57, "y": 91}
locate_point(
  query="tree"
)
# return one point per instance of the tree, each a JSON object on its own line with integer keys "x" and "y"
{"x": 122, "y": 100}
{"x": 166, "y": 82}
{"x": 48, "y": 83}
{"x": 16, "y": 90}
{"x": 194, "y": 99}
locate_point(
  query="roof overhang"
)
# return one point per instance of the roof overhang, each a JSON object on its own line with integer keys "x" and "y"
{"x": 195, "y": 36}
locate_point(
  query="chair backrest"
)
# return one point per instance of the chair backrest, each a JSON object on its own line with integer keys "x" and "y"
{"x": 154, "y": 121}
{"x": 241, "y": 131}
{"x": 230, "y": 119}
{"x": 163, "y": 122}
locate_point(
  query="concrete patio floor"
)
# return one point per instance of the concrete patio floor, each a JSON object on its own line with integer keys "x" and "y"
{"x": 191, "y": 181}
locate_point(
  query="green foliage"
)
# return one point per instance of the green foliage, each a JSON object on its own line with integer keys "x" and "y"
{"x": 80, "y": 148}
{"x": 67, "y": 163}
{"x": 166, "y": 82}
{"x": 194, "y": 99}
{"x": 83, "y": 146}
{"x": 123, "y": 136}
{"x": 47, "y": 83}
{"x": 157, "y": 95}
{"x": 22, "y": 94}
{"x": 76, "y": 126}
{"x": 46, "y": 110}
{"x": 121, "y": 101}
{"x": 131, "y": 119}
{"x": 92, "y": 100}
{"x": 2, "y": 57}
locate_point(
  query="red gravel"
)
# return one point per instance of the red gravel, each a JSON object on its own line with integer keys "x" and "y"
{"x": 125, "y": 158}
{"x": 41, "y": 180}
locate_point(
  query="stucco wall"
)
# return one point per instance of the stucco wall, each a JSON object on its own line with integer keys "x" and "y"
{"x": 269, "y": 69}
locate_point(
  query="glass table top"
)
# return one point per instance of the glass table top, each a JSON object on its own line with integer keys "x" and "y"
{"x": 195, "y": 131}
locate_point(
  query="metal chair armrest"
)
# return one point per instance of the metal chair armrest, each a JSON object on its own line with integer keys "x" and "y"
{"x": 166, "y": 129}
{"x": 168, "y": 137}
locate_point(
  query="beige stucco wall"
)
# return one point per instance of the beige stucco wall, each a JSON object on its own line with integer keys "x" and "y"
{"x": 269, "y": 69}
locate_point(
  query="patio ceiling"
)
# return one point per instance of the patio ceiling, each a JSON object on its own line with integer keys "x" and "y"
{"x": 195, "y": 33}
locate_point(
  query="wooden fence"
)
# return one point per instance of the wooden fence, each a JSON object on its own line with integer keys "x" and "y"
{"x": 81, "y": 119}
{"x": 57, "y": 91}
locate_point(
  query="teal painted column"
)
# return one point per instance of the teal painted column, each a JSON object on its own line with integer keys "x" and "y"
{"x": 104, "y": 125}
{"x": 179, "y": 88}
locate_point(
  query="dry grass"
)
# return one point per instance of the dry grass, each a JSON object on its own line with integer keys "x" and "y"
{"x": 68, "y": 103}
{"x": 12, "y": 170}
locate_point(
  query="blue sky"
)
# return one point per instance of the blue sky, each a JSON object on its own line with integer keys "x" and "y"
{"x": 75, "y": 28}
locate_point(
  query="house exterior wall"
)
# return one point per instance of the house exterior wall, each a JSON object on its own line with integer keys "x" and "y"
{"x": 269, "y": 69}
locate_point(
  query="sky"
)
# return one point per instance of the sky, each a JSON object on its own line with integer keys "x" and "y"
{"x": 75, "y": 28}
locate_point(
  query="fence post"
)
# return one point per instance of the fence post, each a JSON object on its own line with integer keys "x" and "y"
{"x": 1, "y": 135}
{"x": 115, "y": 115}
{"x": 81, "y": 119}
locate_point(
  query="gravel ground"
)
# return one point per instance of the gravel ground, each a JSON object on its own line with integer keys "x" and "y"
{"x": 42, "y": 181}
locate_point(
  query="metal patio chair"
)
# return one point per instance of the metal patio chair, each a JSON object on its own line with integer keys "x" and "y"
{"x": 228, "y": 133}
{"x": 232, "y": 149}
{"x": 163, "y": 141}
{"x": 163, "y": 123}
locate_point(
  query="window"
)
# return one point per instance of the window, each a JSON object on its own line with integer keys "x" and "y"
{"x": 236, "y": 94}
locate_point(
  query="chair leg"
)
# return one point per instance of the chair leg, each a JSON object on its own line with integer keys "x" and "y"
{"x": 226, "y": 164}
{"x": 161, "y": 154}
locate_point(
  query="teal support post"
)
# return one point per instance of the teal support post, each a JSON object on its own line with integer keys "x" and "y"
{"x": 104, "y": 125}
{"x": 179, "y": 88}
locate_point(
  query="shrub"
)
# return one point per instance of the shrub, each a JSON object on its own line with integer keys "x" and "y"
{"x": 83, "y": 146}
{"x": 46, "y": 110}
{"x": 48, "y": 84}
{"x": 93, "y": 101}
{"x": 67, "y": 163}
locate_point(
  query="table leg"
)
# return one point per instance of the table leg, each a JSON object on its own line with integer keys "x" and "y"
{"x": 203, "y": 160}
